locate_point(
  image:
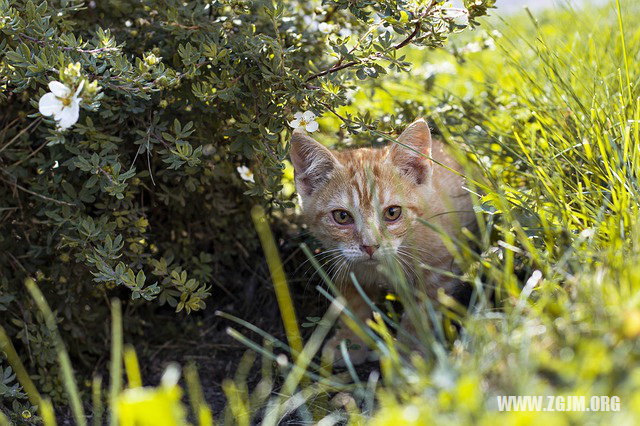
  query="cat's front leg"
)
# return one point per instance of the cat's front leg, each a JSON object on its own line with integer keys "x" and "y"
{"x": 358, "y": 350}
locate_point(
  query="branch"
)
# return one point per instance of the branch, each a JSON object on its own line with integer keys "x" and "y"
{"x": 340, "y": 66}
{"x": 407, "y": 40}
{"x": 22, "y": 188}
{"x": 336, "y": 67}
{"x": 67, "y": 48}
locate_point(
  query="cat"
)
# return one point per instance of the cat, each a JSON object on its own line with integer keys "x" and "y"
{"x": 363, "y": 206}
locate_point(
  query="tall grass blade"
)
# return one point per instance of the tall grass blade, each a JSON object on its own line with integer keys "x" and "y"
{"x": 132, "y": 367}
{"x": 63, "y": 356}
{"x": 47, "y": 413}
{"x": 624, "y": 51}
{"x": 116, "y": 359}
{"x": 279, "y": 280}
{"x": 21, "y": 373}
{"x": 96, "y": 398}
{"x": 201, "y": 410}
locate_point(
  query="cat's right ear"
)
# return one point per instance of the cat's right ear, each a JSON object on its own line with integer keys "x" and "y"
{"x": 413, "y": 154}
{"x": 312, "y": 161}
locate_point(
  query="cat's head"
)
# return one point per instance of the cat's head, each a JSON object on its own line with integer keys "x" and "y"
{"x": 363, "y": 203}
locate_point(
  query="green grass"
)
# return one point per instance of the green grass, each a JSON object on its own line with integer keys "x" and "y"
{"x": 552, "y": 118}
{"x": 552, "y": 115}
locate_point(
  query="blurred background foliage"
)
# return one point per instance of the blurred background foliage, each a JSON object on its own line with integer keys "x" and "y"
{"x": 545, "y": 107}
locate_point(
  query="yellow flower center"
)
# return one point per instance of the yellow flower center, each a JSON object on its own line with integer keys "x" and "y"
{"x": 66, "y": 101}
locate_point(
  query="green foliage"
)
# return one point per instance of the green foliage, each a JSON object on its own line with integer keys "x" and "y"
{"x": 21, "y": 412}
{"x": 140, "y": 194}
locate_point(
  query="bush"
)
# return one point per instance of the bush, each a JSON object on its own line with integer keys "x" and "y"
{"x": 140, "y": 193}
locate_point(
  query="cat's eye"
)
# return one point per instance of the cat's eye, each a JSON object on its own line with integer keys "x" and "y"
{"x": 391, "y": 214}
{"x": 342, "y": 217}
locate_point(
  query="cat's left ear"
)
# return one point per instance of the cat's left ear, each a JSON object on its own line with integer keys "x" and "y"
{"x": 313, "y": 162}
{"x": 413, "y": 159}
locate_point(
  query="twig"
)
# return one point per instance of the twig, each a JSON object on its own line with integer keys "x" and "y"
{"x": 44, "y": 197}
{"x": 348, "y": 121}
{"x": 67, "y": 48}
{"x": 26, "y": 129}
{"x": 34, "y": 152}
{"x": 104, "y": 172}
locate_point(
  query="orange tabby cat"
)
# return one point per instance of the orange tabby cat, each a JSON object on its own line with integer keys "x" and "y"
{"x": 363, "y": 205}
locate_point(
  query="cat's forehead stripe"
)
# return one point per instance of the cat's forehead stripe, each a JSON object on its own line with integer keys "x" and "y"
{"x": 365, "y": 172}
{"x": 361, "y": 187}
{"x": 355, "y": 196}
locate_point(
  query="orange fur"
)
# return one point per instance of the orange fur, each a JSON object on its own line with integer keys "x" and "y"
{"x": 364, "y": 182}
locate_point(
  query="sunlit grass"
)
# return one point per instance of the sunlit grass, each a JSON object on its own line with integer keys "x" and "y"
{"x": 548, "y": 125}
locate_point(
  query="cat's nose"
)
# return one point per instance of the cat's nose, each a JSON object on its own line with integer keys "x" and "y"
{"x": 369, "y": 249}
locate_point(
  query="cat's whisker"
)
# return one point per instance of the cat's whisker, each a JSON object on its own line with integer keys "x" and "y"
{"x": 346, "y": 269}
{"x": 335, "y": 267}
{"x": 322, "y": 265}
{"x": 334, "y": 273}
{"x": 332, "y": 262}
{"x": 411, "y": 261}
{"x": 449, "y": 212}
{"x": 319, "y": 258}
{"x": 417, "y": 254}
{"x": 404, "y": 265}
{"x": 410, "y": 257}
{"x": 415, "y": 248}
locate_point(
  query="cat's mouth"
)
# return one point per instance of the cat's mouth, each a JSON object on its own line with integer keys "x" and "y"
{"x": 369, "y": 261}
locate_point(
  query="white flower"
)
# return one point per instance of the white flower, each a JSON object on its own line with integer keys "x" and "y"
{"x": 350, "y": 94}
{"x": 325, "y": 28}
{"x": 534, "y": 279}
{"x": 462, "y": 19}
{"x": 444, "y": 67}
{"x": 245, "y": 173}
{"x": 345, "y": 32}
{"x": 171, "y": 375}
{"x": 458, "y": 15}
{"x": 306, "y": 120}
{"x": 472, "y": 47}
{"x": 62, "y": 103}
{"x": 587, "y": 233}
{"x": 311, "y": 23}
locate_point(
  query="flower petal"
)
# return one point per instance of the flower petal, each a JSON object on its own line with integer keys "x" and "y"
{"x": 242, "y": 169}
{"x": 308, "y": 116}
{"x": 295, "y": 123}
{"x": 79, "y": 89}
{"x": 59, "y": 89}
{"x": 312, "y": 127}
{"x": 68, "y": 116}
{"x": 49, "y": 104}
{"x": 298, "y": 115}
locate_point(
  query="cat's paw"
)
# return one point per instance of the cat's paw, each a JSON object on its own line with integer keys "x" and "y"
{"x": 358, "y": 351}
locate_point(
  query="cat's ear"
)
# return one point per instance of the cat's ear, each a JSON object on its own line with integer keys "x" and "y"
{"x": 413, "y": 159}
{"x": 312, "y": 161}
